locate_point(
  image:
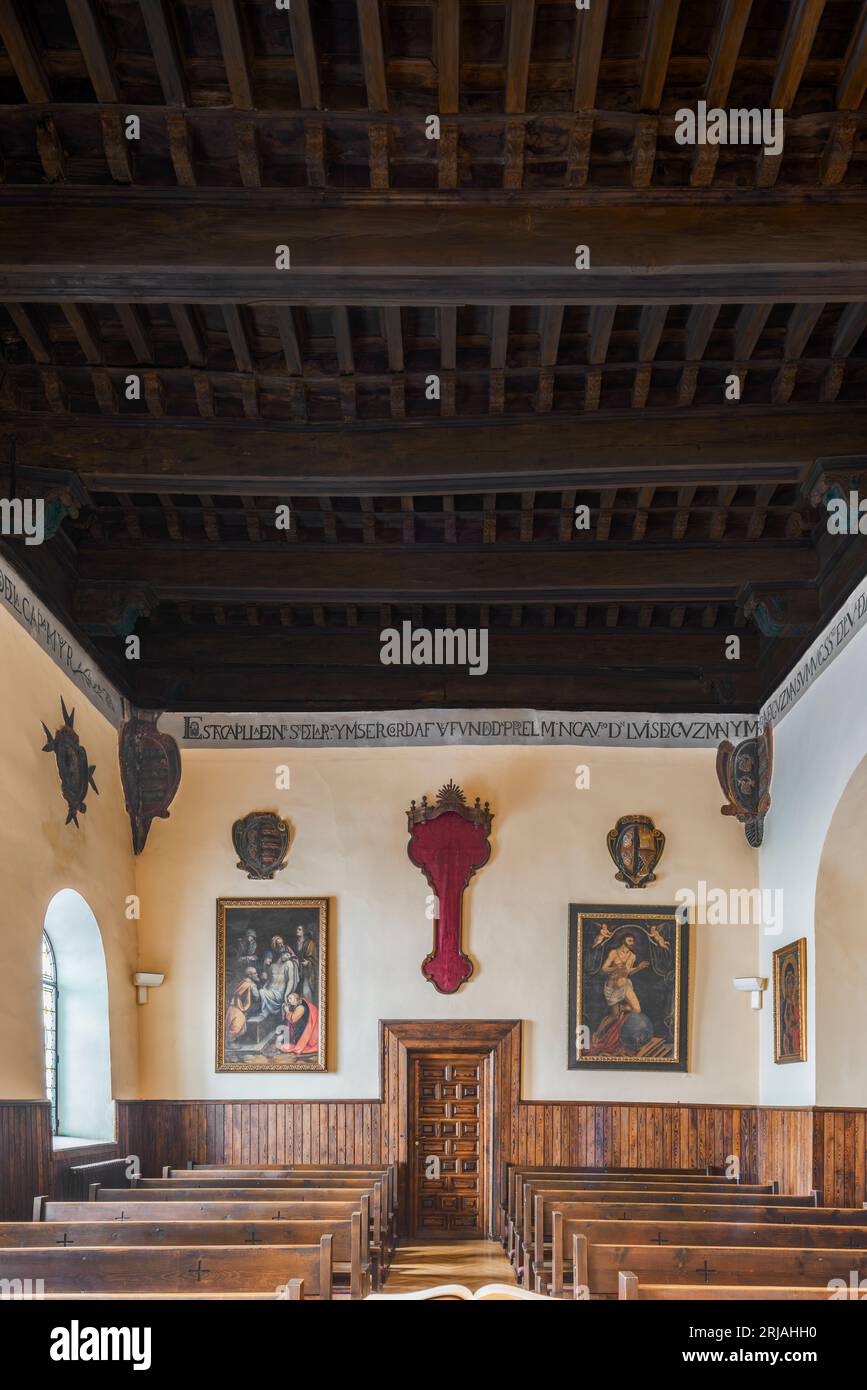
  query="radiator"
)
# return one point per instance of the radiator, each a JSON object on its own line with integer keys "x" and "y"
{"x": 110, "y": 1172}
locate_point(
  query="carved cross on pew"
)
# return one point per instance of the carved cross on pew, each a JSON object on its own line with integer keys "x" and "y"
{"x": 277, "y": 1216}
{"x": 66, "y": 1241}
{"x": 198, "y": 1271}
{"x": 660, "y": 1239}
{"x": 706, "y": 1271}
{"x": 252, "y": 1239}
{"x": 122, "y": 1217}
{"x": 448, "y": 842}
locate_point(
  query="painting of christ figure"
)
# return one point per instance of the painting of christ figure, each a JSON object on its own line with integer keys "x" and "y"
{"x": 628, "y": 988}
{"x": 790, "y": 1002}
{"x": 271, "y": 958}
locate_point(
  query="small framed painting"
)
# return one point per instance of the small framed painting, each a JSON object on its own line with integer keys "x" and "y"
{"x": 790, "y": 1002}
{"x": 271, "y": 973}
{"x": 628, "y": 989}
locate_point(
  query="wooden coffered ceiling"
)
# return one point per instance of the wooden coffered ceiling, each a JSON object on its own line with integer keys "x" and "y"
{"x": 413, "y": 259}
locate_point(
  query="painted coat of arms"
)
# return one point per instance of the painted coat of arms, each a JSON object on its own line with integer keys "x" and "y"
{"x": 76, "y": 774}
{"x": 636, "y": 847}
{"x": 261, "y": 842}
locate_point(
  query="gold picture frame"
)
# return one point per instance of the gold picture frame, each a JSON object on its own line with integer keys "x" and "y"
{"x": 790, "y": 1002}
{"x": 272, "y": 966}
{"x": 614, "y": 1026}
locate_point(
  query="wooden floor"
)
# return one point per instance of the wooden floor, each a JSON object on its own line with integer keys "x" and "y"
{"x": 469, "y": 1262}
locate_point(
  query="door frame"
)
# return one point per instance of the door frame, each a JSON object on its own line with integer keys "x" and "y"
{"x": 498, "y": 1038}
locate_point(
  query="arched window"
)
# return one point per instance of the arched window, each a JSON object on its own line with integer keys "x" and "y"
{"x": 49, "y": 1024}
{"x": 82, "y": 1099}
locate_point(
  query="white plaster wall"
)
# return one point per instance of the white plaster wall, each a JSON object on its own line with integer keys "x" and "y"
{"x": 347, "y": 813}
{"x": 817, "y": 745}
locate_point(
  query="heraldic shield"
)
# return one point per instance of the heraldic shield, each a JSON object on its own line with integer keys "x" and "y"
{"x": 744, "y": 773}
{"x": 76, "y": 773}
{"x": 150, "y": 773}
{"x": 636, "y": 847}
{"x": 261, "y": 842}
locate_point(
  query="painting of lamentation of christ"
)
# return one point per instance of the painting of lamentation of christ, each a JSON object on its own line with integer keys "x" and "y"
{"x": 628, "y": 989}
{"x": 790, "y": 1002}
{"x": 271, "y": 971}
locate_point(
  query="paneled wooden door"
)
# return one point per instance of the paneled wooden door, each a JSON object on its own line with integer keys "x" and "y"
{"x": 448, "y": 1122}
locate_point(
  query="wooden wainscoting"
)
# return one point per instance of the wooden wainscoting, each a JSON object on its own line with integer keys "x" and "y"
{"x": 25, "y": 1156}
{"x": 805, "y": 1148}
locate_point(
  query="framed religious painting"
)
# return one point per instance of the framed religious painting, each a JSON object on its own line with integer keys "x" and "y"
{"x": 272, "y": 958}
{"x": 790, "y": 1002}
{"x": 628, "y": 989}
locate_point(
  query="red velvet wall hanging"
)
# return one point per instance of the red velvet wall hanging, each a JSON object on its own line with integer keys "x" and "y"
{"x": 448, "y": 842}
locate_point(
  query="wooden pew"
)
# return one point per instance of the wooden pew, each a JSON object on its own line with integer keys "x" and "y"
{"x": 617, "y": 1182}
{"x": 380, "y": 1238}
{"x": 523, "y": 1236}
{"x": 271, "y": 1271}
{"x": 379, "y": 1186}
{"x": 630, "y": 1287}
{"x": 596, "y": 1267}
{"x": 555, "y": 1277}
{"x": 371, "y": 1170}
{"x": 351, "y": 1272}
{"x": 516, "y": 1174}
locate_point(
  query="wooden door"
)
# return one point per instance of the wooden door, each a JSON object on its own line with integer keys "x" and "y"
{"x": 448, "y": 1122}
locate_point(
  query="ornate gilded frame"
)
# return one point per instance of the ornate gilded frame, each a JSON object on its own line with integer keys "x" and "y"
{"x": 290, "y": 1064}
{"x": 621, "y": 915}
{"x": 798, "y": 948}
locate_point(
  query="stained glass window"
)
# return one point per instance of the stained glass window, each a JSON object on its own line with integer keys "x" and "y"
{"x": 49, "y": 1025}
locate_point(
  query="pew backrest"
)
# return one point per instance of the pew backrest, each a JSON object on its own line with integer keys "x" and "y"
{"x": 596, "y": 1267}
{"x": 346, "y": 1237}
{"x": 688, "y": 1233}
{"x": 630, "y": 1287}
{"x": 210, "y": 1269}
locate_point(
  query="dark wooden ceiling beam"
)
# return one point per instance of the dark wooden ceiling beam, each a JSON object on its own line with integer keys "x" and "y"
{"x": 29, "y": 331}
{"x": 162, "y": 36}
{"x": 547, "y": 648}
{"x": 84, "y": 327}
{"x": 372, "y": 54}
{"x": 801, "y": 25}
{"x": 304, "y": 50}
{"x": 229, "y": 27}
{"x": 662, "y": 18}
{"x": 731, "y": 26}
{"x": 289, "y": 340}
{"x": 235, "y": 327}
{"x": 754, "y": 444}
{"x": 214, "y": 687}
{"x": 23, "y": 54}
{"x": 452, "y": 256}
{"x": 522, "y": 22}
{"x": 449, "y": 56}
{"x": 362, "y": 573}
{"x": 188, "y": 331}
{"x": 136, "y": 330}
{"x": 91, "y": 41}
{"x": 853, "y": 79}
{"x": 590, "y": 39}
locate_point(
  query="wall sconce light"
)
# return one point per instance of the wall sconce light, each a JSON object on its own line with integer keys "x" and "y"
{"x": 145, "y": 981}
{"x": 753, "y": 985}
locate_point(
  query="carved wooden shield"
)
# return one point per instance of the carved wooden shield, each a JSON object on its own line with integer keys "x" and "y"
{"x": 636, "y": 847}
{"x": 261, "y": 842}
{"x": 76, "y": 774}
{"x": 150, "y": 772}
{"x": 744, "y": 773}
